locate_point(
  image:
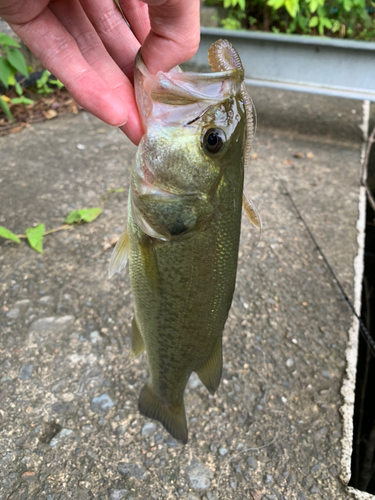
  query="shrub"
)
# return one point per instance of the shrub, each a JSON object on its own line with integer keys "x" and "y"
{"x": 338, "y": 18}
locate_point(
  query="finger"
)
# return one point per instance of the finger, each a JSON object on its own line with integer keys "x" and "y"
{"x": 112, "y": 29}
{"x": 57, "y": 51}
{"x": 72, "y": 16}
{"x": 136, "y": 13}
{"x": 175, "y": 33}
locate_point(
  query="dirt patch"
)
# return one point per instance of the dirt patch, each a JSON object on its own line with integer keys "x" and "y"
{"x": 45, "y": 107}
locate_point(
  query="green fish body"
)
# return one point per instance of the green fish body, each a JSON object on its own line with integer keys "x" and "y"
{"x": 183, "y": 230}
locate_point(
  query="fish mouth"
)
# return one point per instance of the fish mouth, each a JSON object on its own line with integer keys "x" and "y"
{"x": 161, "y": 96}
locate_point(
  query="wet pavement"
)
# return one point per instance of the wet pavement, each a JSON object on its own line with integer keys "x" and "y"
{"x": 68, "y": 389}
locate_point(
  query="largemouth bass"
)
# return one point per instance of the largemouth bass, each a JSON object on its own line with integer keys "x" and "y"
{"x": 183, "y": 230}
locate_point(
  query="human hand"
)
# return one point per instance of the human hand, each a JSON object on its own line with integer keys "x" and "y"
{"x": 89, "y": 47}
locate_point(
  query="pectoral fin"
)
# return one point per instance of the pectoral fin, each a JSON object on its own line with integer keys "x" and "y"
{"x": 172, "y": 417}
{"x": 251, "y": 211}
{"x": 149, "y": 263}
{"x": 138, "y": 345}
{"x": 120, "y": 254}
{"x": 210, "y": 373}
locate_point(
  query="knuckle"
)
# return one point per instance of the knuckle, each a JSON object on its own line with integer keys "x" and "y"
{"x": 108, "y": 22}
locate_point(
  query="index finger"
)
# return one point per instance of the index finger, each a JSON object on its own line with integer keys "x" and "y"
{"x": 175, "y": 33}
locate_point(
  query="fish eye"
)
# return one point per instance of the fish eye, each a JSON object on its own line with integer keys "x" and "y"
{"x": 213, "y": 140}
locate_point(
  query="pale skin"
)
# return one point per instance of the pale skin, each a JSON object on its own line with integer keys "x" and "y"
{"x": 89, "y": 47}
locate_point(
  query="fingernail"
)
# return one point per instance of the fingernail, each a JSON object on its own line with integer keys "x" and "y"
{"x": 122, "y": 124}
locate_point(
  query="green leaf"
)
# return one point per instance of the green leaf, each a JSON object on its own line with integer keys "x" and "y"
{"x": 45, "y": 90}
{"x": 35, "y": 237}
{"x": 11, "y": 79}
{"x": 292, "y": 7}
{"x": 56, "y": 82}
{"x": 5, "y": 108}
{"x": 313, "y": 22}
{"x": 7, "y": 40}
{"x": 303, "y": 22}
{"x": 5, "y": 71}
{"x": 16, "y": 59}
{"x": 90, "y": 214}
{"x": 73, "y": 217}
{"x": 85, "y": 214}
{"x": 22, "y": 100}
{"x": 5, "y": 233}
{"x": 276, "y": 4}
{"x": 18, "y": 88}
{"x": 43, "y": 79}
{"x": 313, "y": 5}
{"x": 327, "y": 23}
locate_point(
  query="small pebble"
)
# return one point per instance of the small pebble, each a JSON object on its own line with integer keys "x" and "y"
{"x": 267, "y": 479}
{"x": 211, "y": 496}
{"x": 95, "y": 337}
{"x": 132, "y": 470}
{"x": 22, "y": 303}
{"x": 52, "y": 324}
{"x": 46, "y": 300}
{"x": 289, "y": 362}
{"x": 101, "y": 404}
{"x": 199, "y": 475}
{"x": 223, "y": 451}
{"x": 13, "y": 313}
{"x": 253, "y": 464}
{"x": 25, "y": 372}
{"x": 60, "y": 437}
{"x": 148, "y": 429}
{"x": 117, "y": 494}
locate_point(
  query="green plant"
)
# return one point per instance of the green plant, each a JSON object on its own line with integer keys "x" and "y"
{"x": 35, "y": 235}
{"x": 11, "y": 63}
{"x": 338, "y": 18}
{"x": 43, "y": 83}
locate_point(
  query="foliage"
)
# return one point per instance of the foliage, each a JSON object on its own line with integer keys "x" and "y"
{"x": 85, "y": 215}
{"x": 35, "y": 235}
{"x": 43, "y": 83}
{"x": 11, "y": 63}
{"x": 5, "y": 233}
{"x": 338, "y": 18}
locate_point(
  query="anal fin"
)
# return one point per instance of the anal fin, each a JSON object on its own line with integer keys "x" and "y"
{"x": 172, "y": 417}
{"x": 210, "y": 373}
{"x": 138, "y": 345}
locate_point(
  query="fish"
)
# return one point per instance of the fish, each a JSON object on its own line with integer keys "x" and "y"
{"x": 183, "y": 228}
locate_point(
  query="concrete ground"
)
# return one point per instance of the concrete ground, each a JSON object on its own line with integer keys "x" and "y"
{"x": 70, "y": 428}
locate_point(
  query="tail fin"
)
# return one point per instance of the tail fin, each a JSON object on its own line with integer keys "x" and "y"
{"x": 171, "y": 417}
